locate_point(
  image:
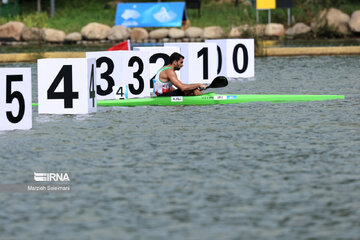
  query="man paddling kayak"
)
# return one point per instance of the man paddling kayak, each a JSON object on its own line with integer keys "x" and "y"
{"x": 166, "y": 78}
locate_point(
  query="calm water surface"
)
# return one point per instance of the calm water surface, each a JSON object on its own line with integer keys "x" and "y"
{"x": 243, "y": 171}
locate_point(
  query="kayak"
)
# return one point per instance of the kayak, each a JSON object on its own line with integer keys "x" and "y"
{"x": 212, "y": 98}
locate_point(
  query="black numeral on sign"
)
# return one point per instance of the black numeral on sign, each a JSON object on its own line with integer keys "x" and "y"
{"x": 246, "y": 58}
{"x": 10, "y": 96}
{"x": 68, "y": 95}
{"x": 137, "y": 75}
{"x": 219, "y": 59}
{"x": 204, "y": 52}
{"x": 106, "y": 76}
{"x": 154, "y": 58}
{"x": 120, "y": 92}
{"x": 92, "y": 85}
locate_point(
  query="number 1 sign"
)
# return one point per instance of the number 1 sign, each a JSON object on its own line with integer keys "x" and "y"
{"x": 199, "y": 63}
{"x": 15, "y": 98}
{"x": 67, "y": 86}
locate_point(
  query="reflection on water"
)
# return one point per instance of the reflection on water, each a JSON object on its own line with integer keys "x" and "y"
{"x": 242, "y": 171}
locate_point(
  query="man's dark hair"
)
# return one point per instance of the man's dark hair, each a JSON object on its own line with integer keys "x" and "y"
{"x": 175, "y": 57}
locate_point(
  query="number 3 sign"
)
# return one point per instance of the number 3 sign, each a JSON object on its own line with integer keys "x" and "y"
{"x": 67, "y": 86}
{"x": 121, "y": 69}
{"x": 15, "y": 98}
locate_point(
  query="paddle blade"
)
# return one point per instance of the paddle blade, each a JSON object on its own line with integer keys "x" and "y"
{"x": 219, "y": 82}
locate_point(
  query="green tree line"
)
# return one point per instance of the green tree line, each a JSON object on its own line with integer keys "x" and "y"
{"x": 72, "y": 15}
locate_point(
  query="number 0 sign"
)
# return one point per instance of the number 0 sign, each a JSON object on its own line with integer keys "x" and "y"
{"x": 236, "y": 57}
{"x": 15, "y": 98}
{"x": 67, "y": 86}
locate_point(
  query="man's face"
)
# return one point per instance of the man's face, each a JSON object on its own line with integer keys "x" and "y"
{"x": 179, "y": 64}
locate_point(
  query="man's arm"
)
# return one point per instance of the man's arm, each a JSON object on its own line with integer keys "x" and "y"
{"x": 183, "y": 87}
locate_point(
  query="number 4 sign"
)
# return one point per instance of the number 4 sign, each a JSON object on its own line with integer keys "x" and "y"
{"x": 15, "y": 98}
{"x": 67, "y": 86}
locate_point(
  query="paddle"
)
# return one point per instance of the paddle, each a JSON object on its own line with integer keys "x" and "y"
{"x": 218, "y": 82}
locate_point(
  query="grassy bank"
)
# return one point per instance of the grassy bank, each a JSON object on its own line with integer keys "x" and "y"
{"x": 73, "y": 15}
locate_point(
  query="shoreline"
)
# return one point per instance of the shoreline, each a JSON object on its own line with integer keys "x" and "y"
{"x": 265, "y": 52}
{"x": 310, "y": 51}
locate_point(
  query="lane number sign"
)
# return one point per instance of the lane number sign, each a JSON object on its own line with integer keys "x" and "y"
{"x": 15, "y": 98}
{"x": 159, "y": 57}
{"x": 236, "y": 57}
{"x": 121, "y": 68}
{"x": 67, "y": 86}
{"x": 199, "y": 63}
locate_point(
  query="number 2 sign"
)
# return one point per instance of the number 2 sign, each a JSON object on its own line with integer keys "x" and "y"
{"x": 159, "y": 57}
{"x": 15, "y": 98}
{"x": 67, "y": 86}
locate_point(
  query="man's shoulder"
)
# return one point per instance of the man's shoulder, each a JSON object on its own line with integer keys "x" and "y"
{"x": 167, "y": 71}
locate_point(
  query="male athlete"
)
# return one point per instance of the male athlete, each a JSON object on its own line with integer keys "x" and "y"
{"x": 166, "y": 78}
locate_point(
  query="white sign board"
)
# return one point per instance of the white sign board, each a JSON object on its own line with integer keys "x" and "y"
{"x": 127, "y": 69}
{"x": 67, "y": 86}
{"x": 107, "y": 75}
{"x": 236, "y": 57}
{"x": 199, "y": 63}
{"x": 15, "y": 98}
{"x": 136, "y": 73}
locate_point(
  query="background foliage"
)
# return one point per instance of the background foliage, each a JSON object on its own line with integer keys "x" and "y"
{"x": 72, "y": 15}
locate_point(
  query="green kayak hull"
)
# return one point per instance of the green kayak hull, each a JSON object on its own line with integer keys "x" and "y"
{"x": 212, "y": 98}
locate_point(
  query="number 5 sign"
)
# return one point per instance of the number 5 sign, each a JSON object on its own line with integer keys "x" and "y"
{"x": 15, "y": 98}
{"x": 67, "y": 86}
